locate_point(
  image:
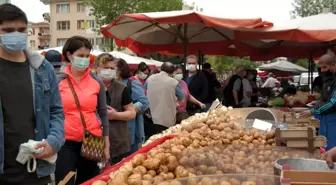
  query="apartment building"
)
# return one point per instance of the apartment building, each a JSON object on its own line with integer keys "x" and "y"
{"x": 39, "y": 35}
{"x": 69, "y": 18}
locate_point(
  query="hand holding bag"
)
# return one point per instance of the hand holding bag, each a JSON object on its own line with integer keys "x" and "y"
{"x": 92, "y": 146}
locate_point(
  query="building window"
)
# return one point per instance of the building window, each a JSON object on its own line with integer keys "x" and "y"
{"x": 63, "y": 8}
{"x": 80, "y": 7}
{"x": 91, "y": 40}
{"x": 91, "y": 23}
{"x": 82, "y": 24}
{"x": 61, "y": 42}
{"x": 63, "y": 25}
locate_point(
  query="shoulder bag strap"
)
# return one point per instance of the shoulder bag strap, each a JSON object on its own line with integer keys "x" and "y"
{"x": 77, "y": 102}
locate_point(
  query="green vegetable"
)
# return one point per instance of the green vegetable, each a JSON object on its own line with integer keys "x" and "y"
{"x": 276, "y": 102}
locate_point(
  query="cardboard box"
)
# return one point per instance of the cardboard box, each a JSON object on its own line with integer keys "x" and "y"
{"x": 292, "y": 177}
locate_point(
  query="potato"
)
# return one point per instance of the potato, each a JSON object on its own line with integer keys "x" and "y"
{"x": 140, "y": 170}
{"x": 172, "y": 163}
{"x": 148, "y": 177}
{"x": 206, "y": 181}
{"x": 157, "y": 179}
{"x": 151, "y": 173}
{"x": 99, "y": 182}
{"x": 249, "y": 183}
{"x": 135, "y": 179}
{"x": 175, "y": 182}
{"x": 138, "y": 160}
{"x": 163, "y": 168}
{"x": 192, "y": 181}
{"x": 151, "y": 164}
{"x": 180, "y": 172}
{"x": 234, "y": 181}
{"x": 146, "y": 182}
{"x": 224, "y": 183}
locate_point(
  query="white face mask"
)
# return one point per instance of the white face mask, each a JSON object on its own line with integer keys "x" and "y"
{"x": 142, "y": 76}
{"x": 178, "y": 77}
{"x": 107, "y": 74}
{"x": 191, "y": 67}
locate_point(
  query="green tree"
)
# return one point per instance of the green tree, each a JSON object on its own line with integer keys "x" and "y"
{"x": 106, "y": 11}
{"x": 226, "y": 63}
{"x": 304, "y": 8}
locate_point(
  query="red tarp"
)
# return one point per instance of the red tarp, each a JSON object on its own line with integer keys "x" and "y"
{"x": 144, "y": 150}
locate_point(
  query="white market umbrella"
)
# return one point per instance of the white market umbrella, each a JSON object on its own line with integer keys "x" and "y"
{"x": 284, "y": 66}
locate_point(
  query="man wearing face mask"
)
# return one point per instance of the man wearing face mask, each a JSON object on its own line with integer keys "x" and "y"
{"x": 163, "y": 91}
{"x": 324, "y": 109}
{"x": 197, "y": 84}
{"x": 30, "y": 104}
{"x": 233, "y": 93}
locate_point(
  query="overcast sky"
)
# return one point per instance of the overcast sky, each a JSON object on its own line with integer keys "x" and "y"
{"x": 270, "y": 10}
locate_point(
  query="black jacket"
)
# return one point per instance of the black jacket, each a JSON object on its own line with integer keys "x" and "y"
{"x": 229, "y": 99}
{"x": 327, "y": 102}
{"x": 212, "y": 84}
{"x": 198, "y": 87}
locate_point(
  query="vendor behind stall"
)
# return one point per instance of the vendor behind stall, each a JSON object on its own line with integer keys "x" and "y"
{"x": 325, "y": 108}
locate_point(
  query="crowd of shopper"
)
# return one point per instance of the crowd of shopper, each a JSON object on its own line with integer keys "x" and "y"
{"x": 56, "y": 111}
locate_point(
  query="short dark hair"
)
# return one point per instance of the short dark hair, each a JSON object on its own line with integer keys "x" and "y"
{"x": 142, "y": 67}
{"x": 73, "y": 44}
{"x": 168, "y": 67}
{"x": 206, "y": 66}
{"x": 10, "y": 12}
{"x": 124, "y": 69}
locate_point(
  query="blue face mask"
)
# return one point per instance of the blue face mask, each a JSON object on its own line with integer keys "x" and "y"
{"x": 81, "y": 63}
{"x": 14, "y": 41}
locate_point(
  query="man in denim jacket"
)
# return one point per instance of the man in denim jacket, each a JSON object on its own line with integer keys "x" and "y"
{"x": 30, "y": 103}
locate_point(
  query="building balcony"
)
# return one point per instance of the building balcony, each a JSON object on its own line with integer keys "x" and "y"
{"x": 44, "y": 35}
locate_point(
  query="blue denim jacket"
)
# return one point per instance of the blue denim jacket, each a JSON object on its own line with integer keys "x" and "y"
{"x": 49, "y": 118}
{"x": 140, "y": 101}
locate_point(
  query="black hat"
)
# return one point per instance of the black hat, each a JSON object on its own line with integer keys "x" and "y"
{"x": 54, "y": 57}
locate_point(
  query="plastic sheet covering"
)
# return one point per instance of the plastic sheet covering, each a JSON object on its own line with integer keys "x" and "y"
{"x": 144, "y": 150}
{"x": 237, "y": 158}
{"x": 231, "y": 179}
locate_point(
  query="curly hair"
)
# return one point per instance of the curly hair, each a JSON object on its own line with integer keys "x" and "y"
{"x": 103, "y": 58}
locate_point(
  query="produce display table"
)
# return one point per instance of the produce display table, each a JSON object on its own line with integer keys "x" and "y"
{"x": 144, "y": 150}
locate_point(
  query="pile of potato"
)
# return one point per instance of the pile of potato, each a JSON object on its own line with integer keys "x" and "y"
{"x": 225, "y": 180}
{"x": 300, "y": 98}
{"x": 208, "y": 143}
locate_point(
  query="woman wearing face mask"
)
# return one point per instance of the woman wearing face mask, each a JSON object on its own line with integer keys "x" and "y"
{"x": 120, "y": 107}
{"x": 140, "y": 101}
{"x": 90, "y": 92}
{"x": 182, "y": 105}
{"x": 141, "y": 74}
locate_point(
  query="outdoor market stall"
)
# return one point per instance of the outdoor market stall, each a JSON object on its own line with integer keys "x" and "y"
{"x": 207, "y": 144}
{"x": 178, "y": 32}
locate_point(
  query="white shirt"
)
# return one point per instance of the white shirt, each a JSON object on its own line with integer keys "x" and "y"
{"x": 270, "y": 83}
{"x": 247, "y": 88}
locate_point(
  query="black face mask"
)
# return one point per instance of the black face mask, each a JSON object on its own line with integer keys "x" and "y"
{"x": 327, "y": 74}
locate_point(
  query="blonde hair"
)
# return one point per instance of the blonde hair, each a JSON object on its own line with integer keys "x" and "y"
{"x": 103, "y": 58}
